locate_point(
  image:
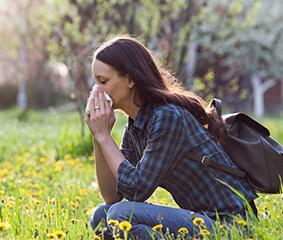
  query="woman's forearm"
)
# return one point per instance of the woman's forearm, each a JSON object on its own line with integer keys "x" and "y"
{"x": 111, "y": 152}
{"x": 106, "y": 180}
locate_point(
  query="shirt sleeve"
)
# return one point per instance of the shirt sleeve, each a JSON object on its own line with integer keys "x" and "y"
{"x": 166, "y": 145}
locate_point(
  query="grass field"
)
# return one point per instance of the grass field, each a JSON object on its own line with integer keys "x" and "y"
{"x": 48, "y": 184}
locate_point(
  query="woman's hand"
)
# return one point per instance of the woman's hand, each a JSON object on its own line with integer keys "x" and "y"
{"x": 101, "y": 118}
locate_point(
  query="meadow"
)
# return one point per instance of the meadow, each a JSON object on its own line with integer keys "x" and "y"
{"x": 48, "y": 185}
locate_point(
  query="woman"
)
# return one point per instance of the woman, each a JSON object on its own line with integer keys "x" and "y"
{"x": 165, "y": 124}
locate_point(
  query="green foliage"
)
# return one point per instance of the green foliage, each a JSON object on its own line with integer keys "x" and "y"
{"x": 234, "y": 38}
{"x": 275, "y": 127}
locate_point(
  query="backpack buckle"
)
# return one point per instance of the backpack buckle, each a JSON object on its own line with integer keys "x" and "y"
{"x": 203, "y": 160}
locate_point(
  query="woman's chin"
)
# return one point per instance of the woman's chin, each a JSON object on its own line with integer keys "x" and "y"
{"x": 114, "y": 107}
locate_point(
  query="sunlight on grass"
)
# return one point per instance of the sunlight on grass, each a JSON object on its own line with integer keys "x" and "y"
{"x": 48, "y": 185}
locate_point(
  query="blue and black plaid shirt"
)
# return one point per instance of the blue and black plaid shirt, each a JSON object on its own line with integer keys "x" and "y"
{"x": 156, "y": 145}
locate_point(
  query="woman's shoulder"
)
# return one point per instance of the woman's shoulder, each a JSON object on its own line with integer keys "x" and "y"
{"x": 169, "y": 109}
{"x": 169, "y": 112}
{"x": 173, "y": 113}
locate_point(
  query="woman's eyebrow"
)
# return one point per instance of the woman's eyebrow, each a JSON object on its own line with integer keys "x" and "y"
{"x": 99, "y": 76}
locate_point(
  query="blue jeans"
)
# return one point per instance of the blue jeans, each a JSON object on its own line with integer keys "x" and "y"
{"x": 144, "y": 216}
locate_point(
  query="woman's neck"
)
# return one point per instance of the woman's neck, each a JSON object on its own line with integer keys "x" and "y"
{"x": 130, "y": 109}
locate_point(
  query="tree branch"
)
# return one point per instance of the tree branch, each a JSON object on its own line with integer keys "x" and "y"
{"x": 268, "y": 84}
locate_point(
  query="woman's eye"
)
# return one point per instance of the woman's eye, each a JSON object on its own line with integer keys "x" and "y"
{"x": 103, "y": 82}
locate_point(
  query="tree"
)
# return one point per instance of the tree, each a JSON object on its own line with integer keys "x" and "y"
{"x": 22, "y": 46}
{"x": 250, "y": 42}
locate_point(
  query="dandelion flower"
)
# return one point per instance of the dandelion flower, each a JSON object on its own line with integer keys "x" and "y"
{"x": 4, "y": 226}
{"x": 125, "y": 226}
{"x": 204, "y": 232}
{"x": 95, "y": 237}
{"x": 242, "y": 223}
{"x": 74, "y": 205}
{"x": 67, "y": 157}
{"x": 198, "y": 221}
{"x": 113, "y": 222}
{"x": 74, "y": 220}
{"x": 60, "y": 234}
{"x": 157, "y": 227}
{"x": 4, "y": 172}
{"x": 51, "y": 236}
{"x": 183, "y": 230}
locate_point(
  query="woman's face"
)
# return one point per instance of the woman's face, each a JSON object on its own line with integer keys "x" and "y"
{"x": 119, "y": 88}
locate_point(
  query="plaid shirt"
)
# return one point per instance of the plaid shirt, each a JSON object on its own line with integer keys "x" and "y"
{"x": 155, "y": 146}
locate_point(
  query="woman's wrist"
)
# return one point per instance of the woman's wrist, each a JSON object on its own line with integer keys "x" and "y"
{"x": 102, "y": 139}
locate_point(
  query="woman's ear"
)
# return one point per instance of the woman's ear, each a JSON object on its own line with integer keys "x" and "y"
{"x": 131, "y": 83}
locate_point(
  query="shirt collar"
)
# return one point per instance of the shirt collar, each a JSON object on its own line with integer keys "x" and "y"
{"x": 142, "y": 117}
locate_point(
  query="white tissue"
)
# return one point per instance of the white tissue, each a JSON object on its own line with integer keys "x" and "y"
{"x": 89, "y": 102}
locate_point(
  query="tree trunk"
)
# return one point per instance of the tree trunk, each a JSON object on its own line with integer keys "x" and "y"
{"x": 258, "y": 98}
{"x": 259, "y": 89}
{"x": 22, "y": 97}
{"x": 191, "y": 64}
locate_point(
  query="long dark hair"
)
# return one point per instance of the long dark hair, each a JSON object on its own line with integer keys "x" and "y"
{"x": 153, "y": 82}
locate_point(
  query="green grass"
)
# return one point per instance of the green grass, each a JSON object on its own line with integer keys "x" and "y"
{"x": 275, "y": 126}
{"x": 48, "y": 181}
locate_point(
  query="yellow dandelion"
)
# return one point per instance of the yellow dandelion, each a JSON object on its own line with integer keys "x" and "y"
{"x": 95, "y": 237}
{"x": 89, "y": 211}
{"x": 113, "y": 222}
{"x": 222, "y": 226}
{"x": 60, "y": 234}
{"x": 198, "y": 221}
{"x": 22, "y": 149}
{"x": 83, "y": 192}
{"x": 4, "y": 172}
{"x": 249, "y": 238}
{"x": 157, "y": 227}
{"x": 125, "y": 226}
{"x": 35, "y": 194}
{"x": 37, "y": 202}
{"x": 204, "y": 232}
{"x": 51, "y": 236}
{"x": 10, "y": 204}
{"x": 242, "y": 223}
{"x": 183, "y": 230}
{"x": 67, "y": 157}
{"x": 52, "y": 212}
{"x": 74, "y": 205}
{"x": 74, "y": 220}
{"x": 51, "y": 201}
{"x": 78, "y": 199}
{"x": 4, "y": 226}
{"x": 35, "y": 186}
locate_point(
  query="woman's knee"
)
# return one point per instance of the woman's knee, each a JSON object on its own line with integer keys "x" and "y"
{"x": 120, "y": 211}
{"x": 99, "y": 212}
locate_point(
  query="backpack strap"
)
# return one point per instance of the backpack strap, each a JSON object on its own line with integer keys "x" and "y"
{"x": 206, "y": 161}
{"x": 217, "y": 103}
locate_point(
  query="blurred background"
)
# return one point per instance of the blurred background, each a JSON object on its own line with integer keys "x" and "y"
{"x": 232, "y": 50}
{"x": 229, "y": 49}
